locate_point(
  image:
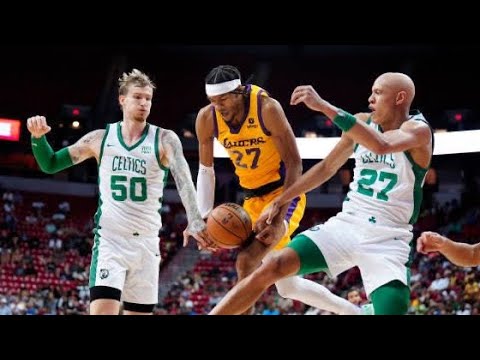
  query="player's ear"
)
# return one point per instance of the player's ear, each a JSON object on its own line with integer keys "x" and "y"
{"x": 121, "y": 100}
{"x": 401, "y": 97}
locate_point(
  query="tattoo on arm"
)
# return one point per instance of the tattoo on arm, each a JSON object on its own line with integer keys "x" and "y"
{"x": 181, "y": 174}
{"x": 87, "y": 146}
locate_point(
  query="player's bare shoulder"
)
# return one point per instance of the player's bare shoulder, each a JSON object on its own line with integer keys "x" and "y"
{"x": 169, "y": 138}
{"x": 205, "y": 115}
{"x": 274, "y": 119}
{"x": 272, "y": 114}
{"x": 420, "y": 129}
{"x": 94, "y": 137}
{"x": 204, "y": 126}
{"x": 87, "y": 146}
{"x": 270, "y": 104}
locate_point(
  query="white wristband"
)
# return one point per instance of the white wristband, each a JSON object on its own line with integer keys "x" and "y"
{"x": 205, "y": 189}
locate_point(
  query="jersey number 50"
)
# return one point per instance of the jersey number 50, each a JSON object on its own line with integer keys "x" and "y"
{"x": 137, "y": 189}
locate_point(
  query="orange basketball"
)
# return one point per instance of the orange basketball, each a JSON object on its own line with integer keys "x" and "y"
{"x": 229, "y": 225}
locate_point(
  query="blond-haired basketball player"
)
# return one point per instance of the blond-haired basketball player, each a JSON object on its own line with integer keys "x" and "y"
{"x": 134, "y": 159}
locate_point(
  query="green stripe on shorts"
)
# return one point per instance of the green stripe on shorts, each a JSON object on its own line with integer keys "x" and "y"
{"x": 311, "y": 258}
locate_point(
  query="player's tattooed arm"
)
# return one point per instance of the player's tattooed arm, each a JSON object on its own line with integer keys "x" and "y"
{"x": 173, "y": 152}
{"x": 87, "y": 146}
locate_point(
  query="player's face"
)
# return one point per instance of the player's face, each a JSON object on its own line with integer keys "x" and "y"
{"x": 354, "y": 297}
{"x": 137, "y": 103}
{"x": 228, "y": 105}
{"x": 382, "y": 100}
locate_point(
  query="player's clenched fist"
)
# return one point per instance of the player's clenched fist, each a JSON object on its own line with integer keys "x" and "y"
{"x": 430, "y": 241}
{"x": 37, "y": 125}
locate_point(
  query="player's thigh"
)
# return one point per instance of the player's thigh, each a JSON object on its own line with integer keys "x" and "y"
{"x": 141, "y": 284}
{"x": 327, "y": 247}
{"x": 254, "y": 206}
{"x": 294, "y": 215}
{"x": 385, "y": 260}
{"x": 296, "y": 208}
{"x": 107, "y": 267}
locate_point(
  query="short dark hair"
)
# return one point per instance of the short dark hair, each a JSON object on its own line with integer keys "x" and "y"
{"x": 222, "y": 74}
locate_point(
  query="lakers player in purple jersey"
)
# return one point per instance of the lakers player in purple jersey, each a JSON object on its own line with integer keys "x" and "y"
{"x": 254, "y": 130}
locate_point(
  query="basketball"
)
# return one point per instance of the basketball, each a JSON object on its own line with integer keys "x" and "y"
{"x": 229, "y": 225}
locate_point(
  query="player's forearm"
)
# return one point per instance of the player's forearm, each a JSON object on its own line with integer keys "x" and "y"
{"x": 186, "y": 190}
{"x": 49, "y": 161}
{"x": 358, "y": 131}
{"x": 310, "y": 180}
{"x": 182, "y": 176}
{"x": 461, "y": 254}
{"x": 328, "y": 109}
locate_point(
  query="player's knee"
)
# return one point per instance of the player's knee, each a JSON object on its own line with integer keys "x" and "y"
{"x": 274, "y": 269}
{"x": 267, "y": 274}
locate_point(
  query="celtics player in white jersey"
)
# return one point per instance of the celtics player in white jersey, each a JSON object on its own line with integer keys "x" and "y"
{"x": 392, "y": 150}
{"x": 134, "y": 158}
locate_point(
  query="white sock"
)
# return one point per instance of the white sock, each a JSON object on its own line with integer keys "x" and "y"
{"x": 314, "y": 294}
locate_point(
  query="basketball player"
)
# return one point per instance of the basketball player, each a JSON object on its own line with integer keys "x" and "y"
{"x": 134, "y": 158}
{"x": 260, "y": 142}
{"x": 392, "y": 150}
{"x": 460, "y": 254}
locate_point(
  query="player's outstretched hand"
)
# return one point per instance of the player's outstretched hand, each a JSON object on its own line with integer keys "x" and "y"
{"x": 307, "y": 95}
{"x": 198, "y": 230}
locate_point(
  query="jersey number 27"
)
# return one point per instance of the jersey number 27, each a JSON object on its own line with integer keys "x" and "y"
{"x": 252, "y": 151}
{"x": 369, "y": 176}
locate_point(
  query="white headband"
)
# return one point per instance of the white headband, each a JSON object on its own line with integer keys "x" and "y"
{"x": 222, "y": 88}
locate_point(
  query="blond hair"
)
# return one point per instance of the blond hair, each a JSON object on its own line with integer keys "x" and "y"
{"x": 134, "y": 78}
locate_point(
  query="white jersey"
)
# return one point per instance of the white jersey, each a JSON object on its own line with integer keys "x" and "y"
{"x": 386, "y": 189}
{"x": 131, "y": 182}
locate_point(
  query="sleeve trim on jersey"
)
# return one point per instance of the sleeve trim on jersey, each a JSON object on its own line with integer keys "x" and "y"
{"x": 103, "y": 144}
{"x": 157, "y": 150}
{"x": 259, "y": 113}
{"x": 415, "y": 166}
